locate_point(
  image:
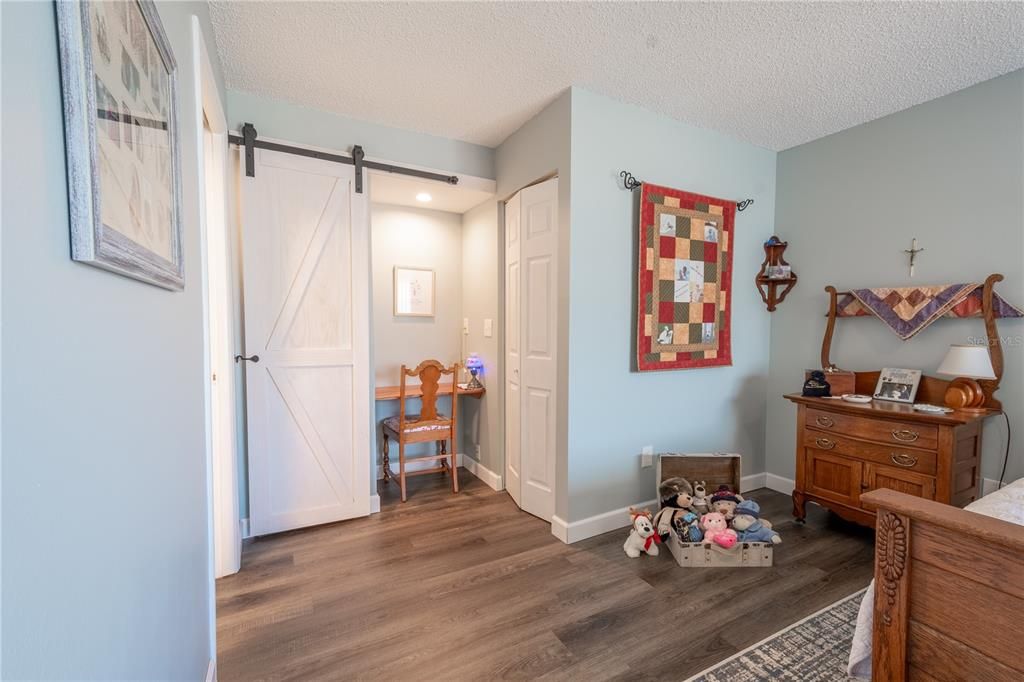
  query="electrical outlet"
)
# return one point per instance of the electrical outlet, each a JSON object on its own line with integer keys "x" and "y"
{"x": 488, "y": 327}
{"x": 647, "y": 456}
{"x": 478, "y": 452}
{"x": 465, "y": 325}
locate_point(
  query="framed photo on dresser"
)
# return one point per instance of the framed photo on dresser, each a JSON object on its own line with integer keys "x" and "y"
{"x": 118, "y": 78}
{"x": 897, "y": 385}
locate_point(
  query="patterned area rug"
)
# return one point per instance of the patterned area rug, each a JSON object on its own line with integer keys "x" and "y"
{"x": 815, "y": 648}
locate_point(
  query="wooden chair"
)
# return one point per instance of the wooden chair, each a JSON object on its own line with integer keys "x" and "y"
{"x": 427, "y": 426}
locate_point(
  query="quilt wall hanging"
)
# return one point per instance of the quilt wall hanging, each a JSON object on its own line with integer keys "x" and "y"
{"x": 685, "y": 280}
{"x": 908, "y": 310}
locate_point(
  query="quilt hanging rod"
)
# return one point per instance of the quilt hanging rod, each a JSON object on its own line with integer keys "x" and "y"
{"x": 631, "y": 183}
{"x": 250, "y": 143}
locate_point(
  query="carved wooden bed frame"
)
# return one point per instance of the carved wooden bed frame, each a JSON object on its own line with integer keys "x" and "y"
{"x": 949, "y": 592}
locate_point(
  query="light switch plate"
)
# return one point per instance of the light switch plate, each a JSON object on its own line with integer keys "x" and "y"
{"x": 488, "y": 327}
{"x": 647, "y": 456}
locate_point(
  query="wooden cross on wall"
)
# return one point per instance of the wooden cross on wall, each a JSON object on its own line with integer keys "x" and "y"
{"x": 913, "y": 251}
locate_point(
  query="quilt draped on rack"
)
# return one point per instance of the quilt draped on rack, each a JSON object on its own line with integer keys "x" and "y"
{"x": 908, "y": 310}
{"x": 685, "y": 280}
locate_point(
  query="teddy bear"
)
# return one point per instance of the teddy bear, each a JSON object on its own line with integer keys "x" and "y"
{"x": 700, "y": 497}
{"x": 724, "y": 501}
{"x": 749, "y": 525}
{"x": 716, "y": 529}
{"x": 687, "y": 527}
{"x": 642, "y": 537}
{"x": 676, "y": 498}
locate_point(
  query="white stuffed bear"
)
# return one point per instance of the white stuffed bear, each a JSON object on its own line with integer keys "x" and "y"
{"x": 642, "y": 537}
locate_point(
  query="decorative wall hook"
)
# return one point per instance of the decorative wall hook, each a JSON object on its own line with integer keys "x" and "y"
{"x": 628, "y": 181}
{"x": 631, "y": 183}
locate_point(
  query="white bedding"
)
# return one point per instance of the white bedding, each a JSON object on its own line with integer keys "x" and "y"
{"x": 1007, "y": 504}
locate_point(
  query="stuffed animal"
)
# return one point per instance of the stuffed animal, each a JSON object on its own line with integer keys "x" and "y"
{"x": 642, "y": 537}
{"x": 716, "y": 529}
{"x": 687, "y": 527}
{"x": 750, "y": 527}
{"x": 724, "y": 501}
{"x": 676, "y": 497}
{"x": 700, "y": 497}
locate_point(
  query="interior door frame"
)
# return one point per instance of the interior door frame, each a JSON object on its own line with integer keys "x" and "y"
{"x": 223, "y": 525}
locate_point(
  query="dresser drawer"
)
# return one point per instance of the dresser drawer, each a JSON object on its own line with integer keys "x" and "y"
{"x": 880, "y": 430}
{"x": 908, "y": 459}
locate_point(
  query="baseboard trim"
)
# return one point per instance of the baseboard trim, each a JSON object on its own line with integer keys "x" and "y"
{"x": 595, "y": 525}
{"x": 752, "y": 482}
{"x": 412, "y": 464}
{"x": 779, "y": 484}
{"x": 990, "y": 485}
{"x": 211, "y": 671}
{"x": 374, "y": 504}
{"x": 243, "y": 528}
{"x": 560, "y": 529}
{"x": 493, "y": 480}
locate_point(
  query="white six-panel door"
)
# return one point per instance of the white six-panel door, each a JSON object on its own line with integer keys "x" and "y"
{"x": 531, "y": 346}
{"x": 306, "y": 256}
{"x": 513, "y": 368}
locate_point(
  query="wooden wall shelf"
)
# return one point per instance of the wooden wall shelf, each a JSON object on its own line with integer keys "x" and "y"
{"x": 773, "y": 290}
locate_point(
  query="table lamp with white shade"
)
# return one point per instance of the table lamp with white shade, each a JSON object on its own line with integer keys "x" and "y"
{"x": 967, "y": 364}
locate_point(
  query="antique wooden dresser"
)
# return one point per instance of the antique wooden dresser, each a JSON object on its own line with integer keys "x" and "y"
{"x": 846, "y": 449}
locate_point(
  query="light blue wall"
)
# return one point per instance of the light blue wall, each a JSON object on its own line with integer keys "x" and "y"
{"x": 614, "y": 412}
{"x": 949, "y": 172}
{"x": 104, "y": 477}
{"x": 302, "y": 125}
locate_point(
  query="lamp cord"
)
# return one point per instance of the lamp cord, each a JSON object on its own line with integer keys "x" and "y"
{"x": 1006, "y": 455}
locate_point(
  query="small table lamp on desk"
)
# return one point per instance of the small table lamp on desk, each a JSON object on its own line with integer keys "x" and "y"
{"x": 967, "y": 364}
{"x": 474, "y": 364}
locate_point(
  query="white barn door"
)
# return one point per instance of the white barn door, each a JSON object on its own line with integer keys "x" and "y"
{"x": 306, "y": 272}
{"x": 531, "y": 346}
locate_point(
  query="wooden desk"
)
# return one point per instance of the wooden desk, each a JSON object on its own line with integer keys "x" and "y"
{"x": 394, "y": 392}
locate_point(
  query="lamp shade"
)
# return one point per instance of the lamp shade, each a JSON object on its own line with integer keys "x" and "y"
{"x": 474, "y": 362}
{"x": 970, "y": 362}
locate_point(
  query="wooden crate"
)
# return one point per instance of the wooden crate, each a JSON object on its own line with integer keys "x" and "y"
{"x": 741, "y": 555}
{"x": 714, "y": 467}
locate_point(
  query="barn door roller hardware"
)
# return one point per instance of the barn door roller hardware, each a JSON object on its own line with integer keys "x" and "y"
{"x": 250, "y": 143}
{"x": 631, "y": 183}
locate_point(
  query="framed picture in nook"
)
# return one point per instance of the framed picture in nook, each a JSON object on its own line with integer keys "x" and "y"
{"x": 898, "y": 385}
{"x": 121, "y": 135}
{"x": 414, "y": 292}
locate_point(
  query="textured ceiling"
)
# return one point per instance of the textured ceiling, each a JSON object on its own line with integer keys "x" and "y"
{"x": 774, "y": 74}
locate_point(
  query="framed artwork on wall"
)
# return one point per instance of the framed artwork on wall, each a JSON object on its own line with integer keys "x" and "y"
{"x": 414, "y": 292}
{"x": 121, "y": 135}
{"x": 684, "y": 280}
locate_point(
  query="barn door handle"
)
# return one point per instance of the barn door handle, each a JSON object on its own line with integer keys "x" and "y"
{"x": 251, "y": 358}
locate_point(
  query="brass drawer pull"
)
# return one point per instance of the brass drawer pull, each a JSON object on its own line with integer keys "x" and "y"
{"x": 903, "y": 460}
{"x": 826, "y": 444}
{"x": 822, "y": 420}
{"x": 905, "y": 435}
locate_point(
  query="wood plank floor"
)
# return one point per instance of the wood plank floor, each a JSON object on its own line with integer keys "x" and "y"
{"x": 467, "y": 587}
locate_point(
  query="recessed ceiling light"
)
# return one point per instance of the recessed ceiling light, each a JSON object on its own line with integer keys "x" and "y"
{"x": 423, "y": 196}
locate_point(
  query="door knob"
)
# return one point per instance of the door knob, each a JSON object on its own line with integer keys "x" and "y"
{"x": 251, "y": 358}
